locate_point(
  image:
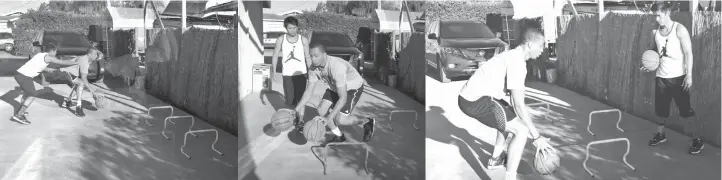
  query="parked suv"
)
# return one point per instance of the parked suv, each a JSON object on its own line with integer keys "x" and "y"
{"x": 70, "y": 44}
{"x": 7, "y": 43}
{"x": 457, "y": 48}
{"x": 340, "y": 45}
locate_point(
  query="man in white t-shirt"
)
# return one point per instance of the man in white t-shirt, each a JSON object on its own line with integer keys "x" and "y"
{"x": 345, "y": 86}
{"x": 30, "y": 70}
{"x": 484, "y": 98}
{"x": 674, "y": 74}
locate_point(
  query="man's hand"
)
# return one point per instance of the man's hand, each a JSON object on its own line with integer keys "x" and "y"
{"x": 542, "y": 146}
{"x": 687, "y": 82}
{"x": 644, "y": 69}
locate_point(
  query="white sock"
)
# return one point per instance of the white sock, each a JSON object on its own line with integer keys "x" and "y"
{"x": 510, "y": 176}
{"x": 336, "y": 131}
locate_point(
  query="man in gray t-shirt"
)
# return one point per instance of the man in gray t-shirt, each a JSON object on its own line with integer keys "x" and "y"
{"x": 345, "y": 86}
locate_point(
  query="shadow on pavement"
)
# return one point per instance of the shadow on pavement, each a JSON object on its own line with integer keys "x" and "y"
{"x": 394, "y": 154}
{"x": 462, "y": 139}
{"x": 129, "y": 149}
{"x": 276, "y": 99}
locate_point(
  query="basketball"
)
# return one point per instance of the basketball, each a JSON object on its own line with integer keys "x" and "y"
{"x": 315, "y": 130}
{"x": 546, "y": 163}
{"x": 100, "y": 101}
{"x": 650, "y": 60}
{"x": 282, "y": 120}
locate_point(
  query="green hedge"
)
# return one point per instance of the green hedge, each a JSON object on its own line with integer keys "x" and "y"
{"x": 462, "y": 10}
{"x": 30, "y": 25}
{"x": 315, "y": 21}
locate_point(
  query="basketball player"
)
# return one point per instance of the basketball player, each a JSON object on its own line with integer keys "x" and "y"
{"x": 30, "y": 70}
{"x": 79, "y": 79}
{"x": 294, "y": 51}
{"x": 674, "y": 74}
{"x": 483, "y": 97}
{"x": 345, "y": 86}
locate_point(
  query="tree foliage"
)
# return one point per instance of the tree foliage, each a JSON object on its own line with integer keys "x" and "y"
{"x": 365, "y": 8}
{"x": 462, "y": 10}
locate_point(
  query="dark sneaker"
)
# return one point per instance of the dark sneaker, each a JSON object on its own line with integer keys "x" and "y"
{"x": 658, "y": 138}
{"x": 697, "y": 145}
{"x": 20, "y": 119}
{"x": 341, "y": 138}
{"x": 79, "y": 111}
{"x": 369, "y": 129}
{"x": 496, "y": 163}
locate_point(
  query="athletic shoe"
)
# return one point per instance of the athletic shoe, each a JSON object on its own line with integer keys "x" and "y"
{"x": 336, "y": 138}
{"x": 20, "y": 119}
{"x": 369, "y": 129}
{"x": 496, "y": 163}
{"x": 79, "y": 111}
{"x": 697, "y": 146}
{"x": 658, "y": 138}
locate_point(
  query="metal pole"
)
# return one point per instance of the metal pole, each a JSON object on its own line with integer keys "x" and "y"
{"x": 600, "y": 9}
{"x": 184, "y": 16}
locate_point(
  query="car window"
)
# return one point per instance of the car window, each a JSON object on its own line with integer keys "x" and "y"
{"x": 6, "y": 36}
{"x": 465, "y": 30}
{"x": 332, "y": 39}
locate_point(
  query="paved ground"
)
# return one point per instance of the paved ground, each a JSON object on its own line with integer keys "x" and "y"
{"x": 458, "y": 147}
{"x": 109, "y": 143}
{"x": 287, "y": 155}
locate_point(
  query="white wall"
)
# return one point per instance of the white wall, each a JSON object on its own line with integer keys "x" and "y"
{"x": 273, "y": 26}
{"x": 248, "y": 49}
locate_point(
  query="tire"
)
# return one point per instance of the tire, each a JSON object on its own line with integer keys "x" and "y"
{"x": 9, "y": 48}
{"x": 442, "y": 74}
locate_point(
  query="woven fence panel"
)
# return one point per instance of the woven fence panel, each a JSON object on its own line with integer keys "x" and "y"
{"x": 601, "y": 59}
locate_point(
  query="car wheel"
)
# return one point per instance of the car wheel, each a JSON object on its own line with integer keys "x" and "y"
{"x": 8, "y": 48}
{"x": 442, "y": 74}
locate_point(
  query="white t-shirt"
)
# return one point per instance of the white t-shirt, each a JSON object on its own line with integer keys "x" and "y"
{"x": 336, "y": 73}
{"x": 293, "y": 56}
{"x": 489, "y": 79}
{"x": 672, "y": 65}
{"x": 34, "y": 66}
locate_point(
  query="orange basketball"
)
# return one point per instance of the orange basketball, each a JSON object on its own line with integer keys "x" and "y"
{"x": 650, "y": 60}
{"x": 315, "y": 130}
{"x": 546, "y": 163}
{"x": 282, "y": 120}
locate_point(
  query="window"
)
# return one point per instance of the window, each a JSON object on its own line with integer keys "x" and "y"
{"x": 468, "y": 29}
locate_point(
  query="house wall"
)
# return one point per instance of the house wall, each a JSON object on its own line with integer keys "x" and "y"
{"x": 250, "y": 47}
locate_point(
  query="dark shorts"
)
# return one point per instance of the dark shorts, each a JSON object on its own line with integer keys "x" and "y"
{"x": 293, "y": 88}
{"x": 668, "y": 89}
{"x": 490, "y": 112}
{"x": 26, "y": 84}
{"x": 353, "y": 96}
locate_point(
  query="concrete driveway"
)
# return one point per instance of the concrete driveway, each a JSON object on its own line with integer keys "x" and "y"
{"x": 458, "y": 147}
{"x": 110, "y": 143}
{"x": 269, "y": 155}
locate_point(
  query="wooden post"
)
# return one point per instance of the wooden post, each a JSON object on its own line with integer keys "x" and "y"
{"x": 600, "y": 9}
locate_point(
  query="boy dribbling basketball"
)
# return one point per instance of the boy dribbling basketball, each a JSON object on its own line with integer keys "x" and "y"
{"x": 483, "y": 97}
{"x": 79, "y": 76}
{"x": 345, "y": 86}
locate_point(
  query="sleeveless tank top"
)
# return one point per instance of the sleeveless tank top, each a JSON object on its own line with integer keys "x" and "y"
{"x": 293, "y": 57}
{"x": 671, "y": 63}
{"x": 34, "y": 66}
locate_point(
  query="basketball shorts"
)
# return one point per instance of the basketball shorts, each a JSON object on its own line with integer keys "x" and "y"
{"x": 353, "y": 97}
{"x": 26, "y": 84}
{"x": 489, "y": 111}
{"x": 668, "y": 89}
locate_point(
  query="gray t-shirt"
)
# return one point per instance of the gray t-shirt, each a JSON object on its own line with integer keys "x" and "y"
{"x": 337, "y": 73}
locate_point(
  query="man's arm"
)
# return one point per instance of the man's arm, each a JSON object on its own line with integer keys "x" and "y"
{"x": 276, "y": 52}
{"x": 310, "y": 85}
{"x": 517, "y": 96}
{"x": 684, "y": 38}
{"x": 54, "y": 60}
{"x": 306, "y": 52}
